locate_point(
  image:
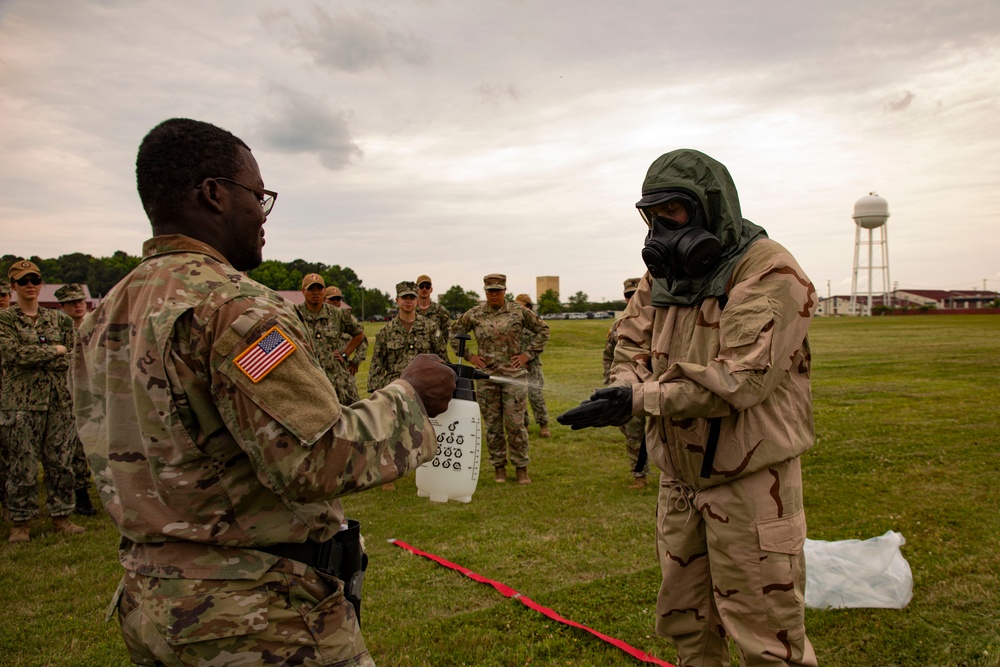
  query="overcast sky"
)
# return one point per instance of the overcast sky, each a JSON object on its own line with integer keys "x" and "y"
{"x": 464, "y": 137}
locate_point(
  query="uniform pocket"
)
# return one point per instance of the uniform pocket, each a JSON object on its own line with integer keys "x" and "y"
{"x": 786, "y": 535}
{"x": 782, "y": 570}
{"x": 216, "y": 615}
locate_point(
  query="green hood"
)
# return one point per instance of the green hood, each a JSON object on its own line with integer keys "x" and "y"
{"x": 710, "y": 182}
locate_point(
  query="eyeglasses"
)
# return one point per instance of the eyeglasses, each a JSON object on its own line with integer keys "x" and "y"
{"x": 266, "y": 197}
{"x": 335, "y": 299}
{"x": 424, "y": 285}
{"x": 628, "y": 295}
{"x": 34, "y": 280}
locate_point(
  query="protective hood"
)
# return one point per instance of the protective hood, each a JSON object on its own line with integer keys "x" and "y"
{"x": 709, "y": 181}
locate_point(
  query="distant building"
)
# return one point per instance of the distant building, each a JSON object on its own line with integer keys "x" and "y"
{"x": 907, "y": 299}
{"x": 545, "y": 283}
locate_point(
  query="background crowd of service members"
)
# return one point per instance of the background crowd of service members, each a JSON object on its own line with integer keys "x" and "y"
{"x": 36, "y": 419}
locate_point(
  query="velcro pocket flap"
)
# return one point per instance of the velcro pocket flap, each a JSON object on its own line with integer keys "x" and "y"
{"x": 217, "y": 615}
{"x": 786, "y": 535}
{"x": 742, "y": 322}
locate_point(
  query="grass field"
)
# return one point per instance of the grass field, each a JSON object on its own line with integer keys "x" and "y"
{"x": 907, "y": 439}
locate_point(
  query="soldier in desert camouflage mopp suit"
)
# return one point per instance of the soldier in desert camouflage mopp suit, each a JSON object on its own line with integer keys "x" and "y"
{"x": 712, "y": 349}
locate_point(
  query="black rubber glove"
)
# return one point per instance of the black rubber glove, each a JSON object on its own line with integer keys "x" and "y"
{"x": 609, "y": 406}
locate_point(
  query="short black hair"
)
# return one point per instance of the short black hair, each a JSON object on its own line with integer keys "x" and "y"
{"x": 177, "y": 155}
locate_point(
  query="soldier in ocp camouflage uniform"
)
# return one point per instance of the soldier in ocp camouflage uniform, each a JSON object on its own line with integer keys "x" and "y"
{"x": 431, "y": 309}
{"x": 4, "y": 304}
{"x": 72, "y": 300}
{"x": 327, "y": 325}
{"x": 713, "y": 349}
{"x": 216, "y": 438}
{"x": 404, "y": 337}
{"x": 500, "y": 337}
{"x": 634, "y": 428}
{"x": 536, "y": 380}
{"x": 34, "y": 342}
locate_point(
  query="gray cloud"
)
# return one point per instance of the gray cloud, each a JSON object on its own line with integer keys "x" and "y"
{"x": 900, "y": 102}
{"x": 350, "y": 41}
{"x": 303, "y": 124}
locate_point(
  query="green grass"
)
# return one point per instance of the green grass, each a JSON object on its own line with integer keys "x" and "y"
{"x": 907, "y": 440}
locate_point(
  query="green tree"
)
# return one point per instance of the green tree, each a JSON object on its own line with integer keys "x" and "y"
{"x": 458, "y": 300}
{"x": 276, "y": 275}
{"x": 578, "y": 303}
{"x": 548, "y": 303}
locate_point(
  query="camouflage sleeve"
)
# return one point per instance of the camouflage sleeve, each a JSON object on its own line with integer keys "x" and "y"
{"x": 609, "y": 354}
{"x": 463, "y": 324}
{"x": 302, "y": 443}
{"x": 535, "y": 324}
{"x": 761, "y": 331}
{"x": 352, "y": 326}
{"x": 439, "y": 345}
{"x": 379, "y": 364}
{"x": 17, "y": 352}
{"x": 361, "y": 351}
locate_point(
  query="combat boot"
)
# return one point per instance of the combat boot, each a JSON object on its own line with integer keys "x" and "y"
{"x": 639, "y": 483}
{"x": 83, "y": 505}
{"x": 64, "y": 525}
{"x": 501, "y": 474}
{"x": 522, "y": 476}
{"x": 544, "y": 431}
{"x": 20, "y": 532}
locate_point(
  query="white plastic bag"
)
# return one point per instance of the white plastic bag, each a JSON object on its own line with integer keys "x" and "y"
{"x": 858, "y": 573}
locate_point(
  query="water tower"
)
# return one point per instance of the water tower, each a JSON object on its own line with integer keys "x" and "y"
{"x": 870, "y": 213}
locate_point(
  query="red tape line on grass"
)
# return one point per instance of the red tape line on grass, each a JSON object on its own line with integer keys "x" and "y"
{"x": 509, "y": 592}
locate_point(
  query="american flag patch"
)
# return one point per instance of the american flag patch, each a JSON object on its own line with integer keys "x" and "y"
{"x": 263, "y": 356}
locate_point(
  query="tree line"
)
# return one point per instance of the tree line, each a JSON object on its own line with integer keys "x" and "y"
{"x": 101, "y": 273}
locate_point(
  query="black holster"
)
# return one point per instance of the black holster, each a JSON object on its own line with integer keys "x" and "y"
{"x": 341, "y": 556}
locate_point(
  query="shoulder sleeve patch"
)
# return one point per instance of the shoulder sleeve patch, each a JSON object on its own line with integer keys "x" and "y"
{"x": 265, "y": 354}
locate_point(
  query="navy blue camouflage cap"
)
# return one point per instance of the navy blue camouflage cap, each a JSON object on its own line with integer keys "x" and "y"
{"x": 406, "y": 288}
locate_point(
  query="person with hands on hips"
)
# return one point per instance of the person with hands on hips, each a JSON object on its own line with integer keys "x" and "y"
{"x": 713, "y": 350}
{"x": 503, "y": 351}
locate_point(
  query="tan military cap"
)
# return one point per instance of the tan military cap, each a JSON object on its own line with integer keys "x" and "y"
{"x": 523, "y": 299}
{"x": 406, "y": 288}
{"x": 632, "y": 284}
{"x": 333, "y": 290}
{"x": 495, "y": 281}
{"x": 313, "y": 279}
{"x": 70, "y": 292}
{"x": 424, "y": 279}
{"x": 21, "y": 268}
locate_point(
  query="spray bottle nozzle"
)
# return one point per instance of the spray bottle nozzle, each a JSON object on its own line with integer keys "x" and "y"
{"x": 466, "y": 374}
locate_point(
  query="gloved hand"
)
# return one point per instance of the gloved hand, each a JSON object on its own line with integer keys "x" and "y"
{"x": 608, "y": 406}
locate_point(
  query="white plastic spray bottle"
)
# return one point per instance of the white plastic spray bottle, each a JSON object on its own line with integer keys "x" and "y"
{"x": 454, "y": 471}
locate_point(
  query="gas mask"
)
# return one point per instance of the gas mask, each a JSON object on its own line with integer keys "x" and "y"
{"x": 680, "y": 251}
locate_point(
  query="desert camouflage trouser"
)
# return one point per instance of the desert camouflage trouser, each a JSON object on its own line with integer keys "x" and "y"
{"x": 504, "y": 408}
{"x": 733, "y": 564}
{"x": 293, "y": 615}
{"x": 633, "y": 431}
{"x": 536, "y": 381}
{"x": 34, "y": 437}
